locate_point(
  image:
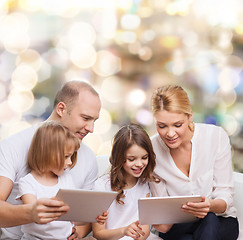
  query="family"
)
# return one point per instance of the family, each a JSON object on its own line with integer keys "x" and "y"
{"x": 183, "y": 158}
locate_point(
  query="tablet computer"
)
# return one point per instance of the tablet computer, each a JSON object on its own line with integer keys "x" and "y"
{"x": 165, "y": 210}
{"x": 85, "y": 205}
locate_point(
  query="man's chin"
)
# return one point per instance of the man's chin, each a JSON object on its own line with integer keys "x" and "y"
{"x": 80, "y": 136}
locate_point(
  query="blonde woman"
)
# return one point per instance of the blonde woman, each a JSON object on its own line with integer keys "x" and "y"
{"x": 192, "y": 159}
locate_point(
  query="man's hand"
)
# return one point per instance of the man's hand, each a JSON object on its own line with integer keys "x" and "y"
{"x": 46, "y": 210}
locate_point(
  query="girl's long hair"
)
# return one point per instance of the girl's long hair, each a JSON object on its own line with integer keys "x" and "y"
{"x": 122, "y": 141}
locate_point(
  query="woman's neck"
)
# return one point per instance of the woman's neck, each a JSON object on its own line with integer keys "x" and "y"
{"x": 48, "y": 178}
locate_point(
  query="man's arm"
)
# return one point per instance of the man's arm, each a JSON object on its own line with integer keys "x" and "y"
{"x": 42, "y": 211}
{"x": 11, "y": 215}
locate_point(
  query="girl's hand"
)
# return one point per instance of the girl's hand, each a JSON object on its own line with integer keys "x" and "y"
{"x": 134, "y": 230}
{"x": 74, "y": 235}
{"x": 164, "y": 228}
{"x": 199, "y": 209}
{"x": 101, "y": 219}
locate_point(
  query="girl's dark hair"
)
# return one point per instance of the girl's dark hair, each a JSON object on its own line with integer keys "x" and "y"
{"x": 122, "y": 141}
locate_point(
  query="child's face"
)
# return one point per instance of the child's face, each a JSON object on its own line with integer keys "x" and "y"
{"x": 68, "y": 162}
{"x": 136, "y": 161}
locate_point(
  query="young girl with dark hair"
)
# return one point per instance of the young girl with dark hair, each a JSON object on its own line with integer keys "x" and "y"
{"x": 132, "y": 163}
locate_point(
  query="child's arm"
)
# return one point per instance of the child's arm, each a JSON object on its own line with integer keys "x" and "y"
{"x": 28, "y": 198}
{"x": 133, "y": 230}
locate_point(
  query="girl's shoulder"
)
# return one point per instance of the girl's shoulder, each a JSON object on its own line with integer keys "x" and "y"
{"x": 28, "y": 178}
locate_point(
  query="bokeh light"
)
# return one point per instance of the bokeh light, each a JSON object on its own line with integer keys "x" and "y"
{"x": 20, "y": 101}
{"x": 112, "y": 89}
{"x": 24, "y": 77}
{"x": 83, "y": 56}
{"x": 125, "y": 49}
{"x": 106, "y": 64}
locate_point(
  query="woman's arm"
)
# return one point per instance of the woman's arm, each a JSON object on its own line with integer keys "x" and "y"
{"x": 133, "y": 230}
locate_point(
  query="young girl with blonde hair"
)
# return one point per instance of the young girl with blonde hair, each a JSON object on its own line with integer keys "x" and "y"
{"x": 53, "y": 151}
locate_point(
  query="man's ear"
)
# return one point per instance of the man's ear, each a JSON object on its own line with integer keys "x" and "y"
{"x": 61, "y": 108}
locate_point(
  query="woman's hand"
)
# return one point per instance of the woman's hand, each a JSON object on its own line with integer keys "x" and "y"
{"x": 134, "y": 230}
{"x": 198, "y": 209}
{"x": 101, "y": 219}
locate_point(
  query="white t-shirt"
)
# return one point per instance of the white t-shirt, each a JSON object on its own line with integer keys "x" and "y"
{"x": 54, "y": 230}
{"x": 13, "y": 153}
{"x": 123, "y": 215}
{"x": 210, "y": 170}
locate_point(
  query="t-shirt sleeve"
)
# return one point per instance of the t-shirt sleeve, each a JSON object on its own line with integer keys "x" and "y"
{"x": 7, "y": 157}
{"x": 92, "y": 172}
{"x": 158, "y": 189}
{"x": 223, "y": 173}
{"x": 25, "y": 187}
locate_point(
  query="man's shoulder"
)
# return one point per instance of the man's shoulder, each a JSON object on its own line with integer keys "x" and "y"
{"x": 85, "y": 151}
{"x": 86, "y": 157}
{"x": 20, "y": 137}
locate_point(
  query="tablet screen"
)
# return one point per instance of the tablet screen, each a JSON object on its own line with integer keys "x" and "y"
{"x": 165, "y": 210}
{"x": 85, "y": 205}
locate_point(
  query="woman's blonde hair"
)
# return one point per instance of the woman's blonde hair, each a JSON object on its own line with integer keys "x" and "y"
{"x": 171, "y": 98}
{"x": 47, "y": 149}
